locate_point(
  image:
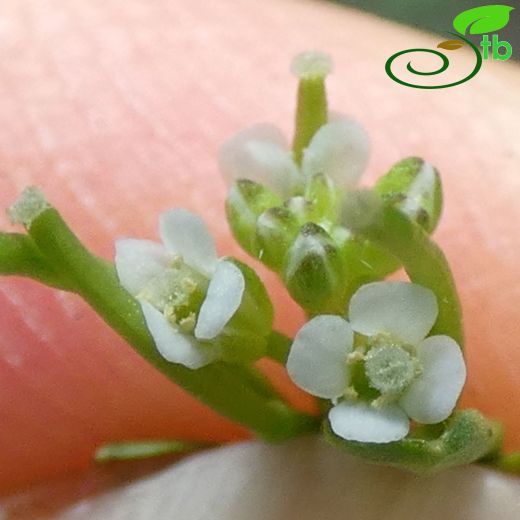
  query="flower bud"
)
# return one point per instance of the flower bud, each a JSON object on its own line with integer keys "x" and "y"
{"x": 314, "y": 271}
{"x": 246, "y": 201}
{"x": 414, "y": 187}
{"x": 276, "y": 230}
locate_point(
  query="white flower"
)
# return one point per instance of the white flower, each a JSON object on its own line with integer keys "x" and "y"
{"x": 339, "y": 149}
{"x": 186, "y": 293}
{"x": 416, "y": 378}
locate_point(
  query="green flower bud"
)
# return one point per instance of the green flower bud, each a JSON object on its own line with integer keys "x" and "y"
{"x": 246, "y": 201}
{"x": 276, "y": 230}
{"x": 314, "y": 272}
{"x": 414, "y": 187}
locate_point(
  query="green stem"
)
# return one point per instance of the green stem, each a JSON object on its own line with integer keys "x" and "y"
{"x": 311, "y": 113}
{"x": 424, "y": 262}
{"x": 225, "y": 389}
{"x": 134, "y": 450}
{"x": 20, "y": 256}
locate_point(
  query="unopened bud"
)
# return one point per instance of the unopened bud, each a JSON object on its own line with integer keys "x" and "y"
{"x": 276, "y": 230}
{"x": 314, "y": 270}
{"x": 414, "y": 187}
{"x": 246, "y": 201}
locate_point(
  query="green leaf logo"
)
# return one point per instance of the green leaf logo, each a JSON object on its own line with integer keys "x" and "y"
{"x": 484, "y": 19}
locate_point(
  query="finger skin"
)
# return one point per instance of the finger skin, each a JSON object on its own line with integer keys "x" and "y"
{"x": 118, "y": 115}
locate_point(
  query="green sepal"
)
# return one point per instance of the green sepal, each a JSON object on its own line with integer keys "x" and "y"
{"x": 414, "y": 187}
{"x": 314, "y": 273}
{"x": 246, "y": 201}
{"x": 465, "y": 437}
{"x": 276, "y": 230}
{"x": 255, "y": 314}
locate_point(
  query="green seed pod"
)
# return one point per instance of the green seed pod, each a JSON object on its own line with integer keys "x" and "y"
{"x": 246, "y": 201}
{"x": 314, "y": 271}
{"x": 413, "y": 186}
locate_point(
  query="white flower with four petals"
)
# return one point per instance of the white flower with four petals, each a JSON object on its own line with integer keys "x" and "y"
{"x": 183, "y": 267}
{"x": 418, "y": 377}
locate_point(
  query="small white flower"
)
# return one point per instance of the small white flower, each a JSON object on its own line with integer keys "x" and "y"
{"x": 186, "y": 293}
{"x": 339, "y": 149}
{"x": 417, "y": 378}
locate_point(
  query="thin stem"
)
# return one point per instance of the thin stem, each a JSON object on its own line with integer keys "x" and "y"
{"x": 20, "y": 256}
{"x": 133, "y": 450}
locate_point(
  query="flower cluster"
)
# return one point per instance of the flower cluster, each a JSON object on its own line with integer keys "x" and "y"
{"x": 384, "y": 356}
{"x": 366, "y": 347}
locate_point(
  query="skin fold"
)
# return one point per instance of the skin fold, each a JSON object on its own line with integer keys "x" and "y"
{"x": 117, "y": 112}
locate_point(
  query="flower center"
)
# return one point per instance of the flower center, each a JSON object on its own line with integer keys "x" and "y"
{"x": 178, "y": 292}
{"x": 390, "y": 368}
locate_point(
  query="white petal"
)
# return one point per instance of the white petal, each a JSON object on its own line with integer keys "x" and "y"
{"x": 138, "y": 262}
{"x": 223, "y": 299}
{"x": 185, "y": 234}
{"x": 431, "y": 398}
{"x": 364, "y": 423}
{"x": 340, "y": 150}
{"x": 174, "y": 346}
{"x": 260, "y": 154}
{"x": 404, "y": 310}
{"x": 318, "y": 358}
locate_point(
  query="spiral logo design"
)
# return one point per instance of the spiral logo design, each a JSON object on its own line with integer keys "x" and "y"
{"x": 445, "y": 62}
